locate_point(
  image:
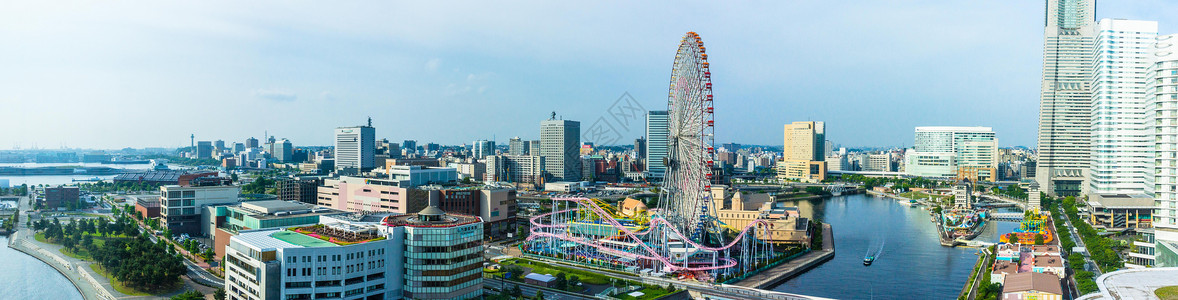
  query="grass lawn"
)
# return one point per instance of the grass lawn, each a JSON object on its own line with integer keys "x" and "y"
{"x": 543, "y": 268}
{"x": 648, "y": 293}
{"x": 1167, "y": 293}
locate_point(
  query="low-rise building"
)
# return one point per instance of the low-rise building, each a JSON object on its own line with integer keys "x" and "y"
{"x": 1027, "y": 286}
{"x": 182, "y": 206}
{"x": 544, "y": 280}
{"x": 1052, "y": 264}
{"x": 426, "y": 255}
{"x": 1120, "y": 211}
{"x": 1001, "y": 269}
{"x": 61, "y": 196}
{"x": 149, "y": 208}
{"x": 228, "y": 220}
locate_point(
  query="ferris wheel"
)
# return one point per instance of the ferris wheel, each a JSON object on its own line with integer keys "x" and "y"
{"x": 685, "y": 197}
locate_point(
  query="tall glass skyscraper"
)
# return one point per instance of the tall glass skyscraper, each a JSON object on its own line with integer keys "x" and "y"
{"x": 1064, "y": 108}
{"x": 657, "y": 133}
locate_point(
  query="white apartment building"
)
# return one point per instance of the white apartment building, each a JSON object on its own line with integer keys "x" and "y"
{"x": 1121, "y": 147}
{"x": 1162, "y": 120}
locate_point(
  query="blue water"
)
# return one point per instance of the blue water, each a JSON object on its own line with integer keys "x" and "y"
{"x": 912, "y": 264}
{"x": 25, "y": 277}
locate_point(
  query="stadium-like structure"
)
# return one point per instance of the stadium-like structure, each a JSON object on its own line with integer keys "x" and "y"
{"x": 682, "y": 235}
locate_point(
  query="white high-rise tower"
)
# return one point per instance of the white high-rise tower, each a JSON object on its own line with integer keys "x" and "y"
{"x": 1161, "y": 98}
{"x": 560, "y": 145}
{"x": 1121, "y": 147}
{"x": 1064, "y": 108}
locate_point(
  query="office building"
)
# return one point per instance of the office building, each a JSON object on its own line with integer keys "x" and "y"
{"x": 204, "y": 149}
{"x": 61, "y": 196}
{"x": 283, "y": 151}
{"x": 410, "y": 146}
{"x": 933, "y": 165}
{"x": 964, "y": 153}
{"x": 640, "y": 148}
{"x": 517, "y": 147}
{"x": 560, "y": 141}
{"x": 527, "y": 169}
{"x": 657, "y": 139}
{"x": 219, "y": 145}
{"x": 1161, "y": 109}
{"x": 803, "y": 156}
{"x": 355, "y": 149}
{"x": 238, "y": 147}
{"x": 482, "y": 149}
{"x": 1065, "y": 101}
{"x": 534, "y": 147}
{"x": 1121, "y": 146}
{"x": 358, "y": 194}
{"x": 182, "y": 206}
{"x": 299, "y": 189}
{"x": 496, "y": 206}
{"x": 251, "y": 143}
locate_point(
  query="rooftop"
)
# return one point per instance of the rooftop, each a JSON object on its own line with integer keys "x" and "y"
{"x": 1030, "y": 281}
{"x": 1005, "y": 267}
{"x": 1048, "y": 261}
{"x": 1121, "y": 201}
{"x": 430, "y": 217}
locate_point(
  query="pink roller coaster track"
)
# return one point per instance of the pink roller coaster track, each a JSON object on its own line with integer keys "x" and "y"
{"x": 585, "y": 202}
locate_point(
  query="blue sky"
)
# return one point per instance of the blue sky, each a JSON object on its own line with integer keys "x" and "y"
{"x": 149, "y": 73}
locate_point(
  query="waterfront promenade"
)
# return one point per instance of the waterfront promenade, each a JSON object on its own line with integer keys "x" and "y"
{"x": 795, "y": 266}
{"x": 84, "y": 280}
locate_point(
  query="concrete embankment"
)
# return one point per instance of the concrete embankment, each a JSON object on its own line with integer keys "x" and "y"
{"x": 794, "y": 267}
{"x": 81, "y": 279}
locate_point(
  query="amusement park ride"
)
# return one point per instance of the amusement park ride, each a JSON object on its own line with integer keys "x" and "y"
{"x": 682, "y": 236}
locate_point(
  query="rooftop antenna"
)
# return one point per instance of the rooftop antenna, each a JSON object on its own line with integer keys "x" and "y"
{"x": 553, "y": 116}
{"x": 192, "y": 140}
{"x": 369, "y": 121}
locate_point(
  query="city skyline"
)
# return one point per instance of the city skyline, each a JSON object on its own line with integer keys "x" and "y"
{"x": 406, "y": 69}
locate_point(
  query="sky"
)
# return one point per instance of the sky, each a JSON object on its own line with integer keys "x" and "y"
{"x": 107, "y": 75}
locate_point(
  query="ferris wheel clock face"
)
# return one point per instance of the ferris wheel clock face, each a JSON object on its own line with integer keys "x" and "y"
{"x": 687, "y": 182}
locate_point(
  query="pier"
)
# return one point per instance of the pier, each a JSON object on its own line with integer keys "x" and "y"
{"x": 794, "y": 267}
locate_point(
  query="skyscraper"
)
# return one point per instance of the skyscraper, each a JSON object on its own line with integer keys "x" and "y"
{"x": 204, "y": 149}
{"x": 657, "y": 133}
{"x": 517, "y": 146}
{"x": 251, "y": 143}
{"x": 1121, "y": 147}
{"x": 640, "y": 148}
{"x": 355, "y": 149}
{"x": 560, "y": 144}
{"x": 283, "y": 151}
{"x": 1162, "y": 106}
{"x": 483, "y": 148}
{"x": 1064, "y": 108}
{"x": 803, "y": 155}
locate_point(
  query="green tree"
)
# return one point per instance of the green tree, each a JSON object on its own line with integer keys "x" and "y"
{"x": 1038, "y": 239}
{"x": 219, "y": 294}
{"x": 539, "y": 294}
{"x": 561, "y": 282}
{"x": 189, "y": 295}
{"x": 574, "y": 282}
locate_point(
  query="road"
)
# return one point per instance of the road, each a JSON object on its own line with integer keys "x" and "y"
{"x": 1072, "y": 285}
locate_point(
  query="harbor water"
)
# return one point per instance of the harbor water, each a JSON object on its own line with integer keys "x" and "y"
{"x": 911, "y": 265}
{"x": 25, "y": 277}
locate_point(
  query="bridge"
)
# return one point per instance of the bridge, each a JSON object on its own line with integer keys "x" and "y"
{"x": 1014, "y": 217}
{"x": 1020, "y": 203}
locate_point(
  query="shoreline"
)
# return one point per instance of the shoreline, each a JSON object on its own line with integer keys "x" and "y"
{"x": 58, "y": 264}
{"x": 795, "y": 267}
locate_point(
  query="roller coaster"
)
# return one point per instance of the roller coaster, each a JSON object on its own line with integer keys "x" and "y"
{"x": 682, "y": 236}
